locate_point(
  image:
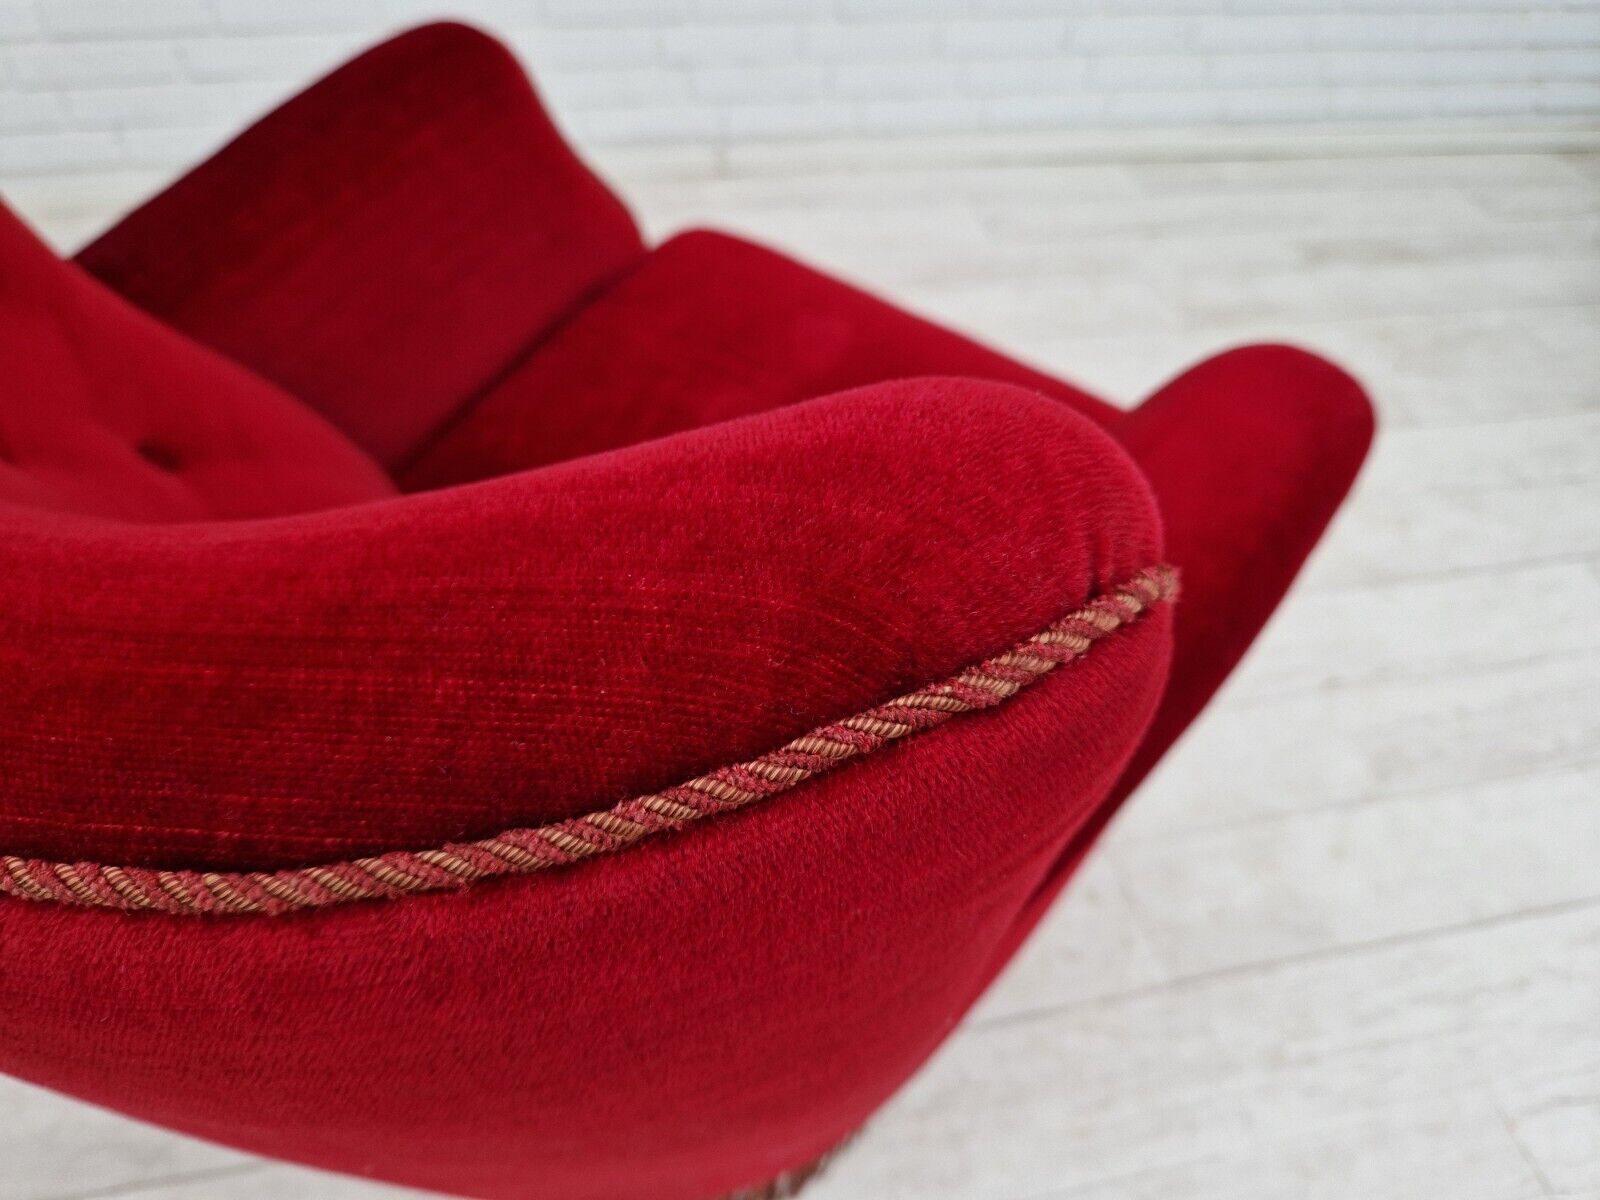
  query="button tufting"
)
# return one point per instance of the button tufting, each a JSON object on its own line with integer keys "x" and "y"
{"x": 161, "y": 457}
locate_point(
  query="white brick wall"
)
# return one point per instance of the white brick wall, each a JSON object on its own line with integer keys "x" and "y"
{"x": 112, "y": 84}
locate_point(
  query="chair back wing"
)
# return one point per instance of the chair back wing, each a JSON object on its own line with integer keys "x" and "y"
{"x": 386, "y": 243}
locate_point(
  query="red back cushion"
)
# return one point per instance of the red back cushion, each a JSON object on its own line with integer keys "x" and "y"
{"x": 105, "y": 413}
{"x": 404, "y": 229}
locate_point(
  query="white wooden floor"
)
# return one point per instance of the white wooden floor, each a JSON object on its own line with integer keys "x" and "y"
{"x": 1347, "y": 942}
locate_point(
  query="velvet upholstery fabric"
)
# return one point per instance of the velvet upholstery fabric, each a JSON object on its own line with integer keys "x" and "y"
{"x": 536, "y": 646}
{"x": 385, "y": 243}
{"x": 106, "y": 413}
{"x": 695, "y": 1015}
{"x": 668, "y": 510}
{"x": 1250, "y": 453}
{"x": 707, "y": 328}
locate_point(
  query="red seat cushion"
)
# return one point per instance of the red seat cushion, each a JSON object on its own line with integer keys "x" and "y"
{"x": 104, "y": 413}
{"x": 707, "y": 328}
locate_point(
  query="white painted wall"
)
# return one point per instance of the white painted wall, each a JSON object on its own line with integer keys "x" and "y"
{"x": 150, "y": 84}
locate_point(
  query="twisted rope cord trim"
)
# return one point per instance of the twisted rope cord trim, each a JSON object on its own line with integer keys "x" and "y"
{"x": 524, "y": 851}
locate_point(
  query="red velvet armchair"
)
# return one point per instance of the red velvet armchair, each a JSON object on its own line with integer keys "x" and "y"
{"x": 497, "y": 707}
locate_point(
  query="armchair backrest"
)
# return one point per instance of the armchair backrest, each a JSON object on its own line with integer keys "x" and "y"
{"x": 105, "y": 413}
{"x": 428, "y": 159}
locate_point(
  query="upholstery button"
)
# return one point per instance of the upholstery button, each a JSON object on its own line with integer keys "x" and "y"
{"x": 161, "y": 457}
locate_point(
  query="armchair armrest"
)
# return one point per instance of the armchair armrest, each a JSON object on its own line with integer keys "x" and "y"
{"x": 681, "y": 1018}
{"x": 451, "y": 664}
